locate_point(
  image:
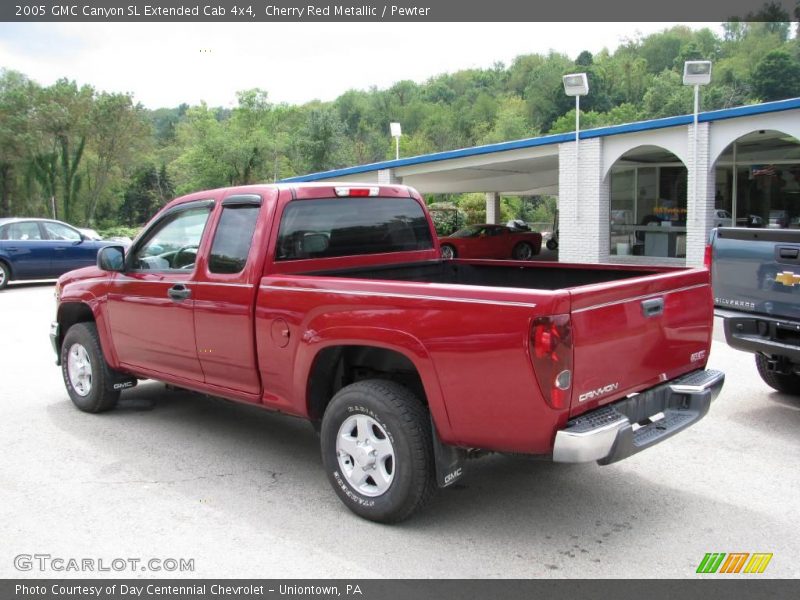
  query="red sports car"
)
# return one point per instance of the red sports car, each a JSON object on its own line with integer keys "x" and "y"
{"x": 491, "y": 241}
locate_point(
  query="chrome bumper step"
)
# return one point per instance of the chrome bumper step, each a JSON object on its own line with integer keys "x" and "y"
{"x": 623, "y": 428}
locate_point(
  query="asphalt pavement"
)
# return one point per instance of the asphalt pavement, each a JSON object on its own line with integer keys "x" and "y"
{"x": 241, "y": 492}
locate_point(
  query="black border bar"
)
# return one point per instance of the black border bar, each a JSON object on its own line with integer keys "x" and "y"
{"x": 259, "y": 11}
{"x": 708, "y": 587}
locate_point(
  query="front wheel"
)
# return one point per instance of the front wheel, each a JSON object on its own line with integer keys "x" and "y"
{"x": 552, "y": 244}
{"x": 378, "y": 451}
{"x": 786, "y": 383}
{"x": 448, "y": 252}
{"x": 86, "y": 374}
{"x": 522, "y": 251}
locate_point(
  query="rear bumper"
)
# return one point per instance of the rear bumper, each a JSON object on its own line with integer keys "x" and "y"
{"x": 767, "y": 335}
{"x": 623, "y": 428}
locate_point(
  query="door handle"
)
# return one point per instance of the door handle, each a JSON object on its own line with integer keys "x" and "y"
{"x": 653, "y": 307}
{"x": 179, "y": 292}
{"x": 787, "y": 254}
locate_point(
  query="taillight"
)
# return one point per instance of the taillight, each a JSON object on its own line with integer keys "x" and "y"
{"x": 707, "y": 257}
{"x": 551, "y": 354}
{"x": 357, "y": 191}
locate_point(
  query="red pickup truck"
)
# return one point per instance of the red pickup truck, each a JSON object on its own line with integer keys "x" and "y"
{"x": 332, "y": 303}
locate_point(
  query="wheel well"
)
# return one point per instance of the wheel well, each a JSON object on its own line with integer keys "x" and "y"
{"x": 71, "y": 313}
{"x": 7, "y": 265}
{"x": 338, "y": 366}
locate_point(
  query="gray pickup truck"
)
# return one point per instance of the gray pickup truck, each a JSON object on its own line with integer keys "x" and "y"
{"x": 755, "y": 275}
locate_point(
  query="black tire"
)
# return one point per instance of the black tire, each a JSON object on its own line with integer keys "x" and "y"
{"x": 788, "y": 384}
{"x": 99, "y": 396}
{"x": 448, "y": 252}
{"x": 405, "y": 421}
{"x": 552, "y": 244}
{"x": 5, "y": 275}
{"x": 522, "y": 251}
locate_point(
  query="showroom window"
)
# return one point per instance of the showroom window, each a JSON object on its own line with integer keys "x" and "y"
{"x": 767, "y": 182}
{"x": 648, "y": 211}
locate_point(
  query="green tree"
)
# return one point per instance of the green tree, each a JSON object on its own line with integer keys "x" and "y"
{"x": 777, "y": 76}
{"x": 321, "y": 140}
{"x": 119, "y": 134}
{"x": 511, "y": 122}
{"x": 16, "y": 107}
{"x": 63, "y": 120}
{"x": 150, "y": 189}
{"x": 667, "y": 96}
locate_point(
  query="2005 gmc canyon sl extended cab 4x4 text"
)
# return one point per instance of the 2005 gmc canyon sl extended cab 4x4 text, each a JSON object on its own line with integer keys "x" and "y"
{"x": 332, "y": 303}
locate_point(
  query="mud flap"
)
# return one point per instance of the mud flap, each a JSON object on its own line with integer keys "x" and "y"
{"x": 450, "y": 461}
{"x": 120, "y": 381}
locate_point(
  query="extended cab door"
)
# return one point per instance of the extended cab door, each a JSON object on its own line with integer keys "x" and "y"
{"x": 224, "y": 296}
{"x": 151, "y": 304}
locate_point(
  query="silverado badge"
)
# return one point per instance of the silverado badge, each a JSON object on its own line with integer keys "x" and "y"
{"x": 787, "y": 278}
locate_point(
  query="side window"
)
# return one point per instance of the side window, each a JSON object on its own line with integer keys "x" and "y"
{"x": 233, "y": 238}
{"x": 173, "y": 243}
{"x": 24, "y": 231}
{"x": 57, "y": 231}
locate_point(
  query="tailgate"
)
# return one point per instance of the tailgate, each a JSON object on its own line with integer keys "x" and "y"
{"x": 757, "y": 270}
{"x": 632, "y": 334}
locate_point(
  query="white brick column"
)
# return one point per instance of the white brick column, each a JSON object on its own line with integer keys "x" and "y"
{"x": 583, "y": 217}
{"x": 492, "y": 207}
{"x": 700, "y": 204}
{"x": 387, "y": 177}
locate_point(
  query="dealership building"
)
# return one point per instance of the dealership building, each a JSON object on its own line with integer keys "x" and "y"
{"x": 645, "y": 192}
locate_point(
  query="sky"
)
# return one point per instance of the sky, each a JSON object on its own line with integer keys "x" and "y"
{"x": 166, "y": 64}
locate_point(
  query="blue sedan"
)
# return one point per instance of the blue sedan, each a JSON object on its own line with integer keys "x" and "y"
{"x": 42, "y": 249}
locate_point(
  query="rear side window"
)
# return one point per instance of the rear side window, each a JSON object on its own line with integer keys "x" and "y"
{"x": 352, "y": 226}
{"x": 233, "y": 239}
{"x": 24, "y": 231}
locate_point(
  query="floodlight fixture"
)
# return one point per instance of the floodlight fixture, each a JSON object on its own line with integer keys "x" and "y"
{"x": 697, "y": 72}
{"x": 576, "y": 84}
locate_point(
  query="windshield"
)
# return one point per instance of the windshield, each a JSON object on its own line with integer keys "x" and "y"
{"x": 472, "y": 231}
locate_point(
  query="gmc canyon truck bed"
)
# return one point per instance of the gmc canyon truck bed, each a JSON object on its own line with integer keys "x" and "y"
{"x": 332, "y": 303}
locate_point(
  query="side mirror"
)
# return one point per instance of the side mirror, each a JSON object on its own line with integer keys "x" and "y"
{"x": 111, "y": 258}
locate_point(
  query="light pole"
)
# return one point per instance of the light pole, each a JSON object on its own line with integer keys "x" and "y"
{"x": 696, "y": 73}
{"x": 396, "y": 132}
{"x": 576, "y": 84}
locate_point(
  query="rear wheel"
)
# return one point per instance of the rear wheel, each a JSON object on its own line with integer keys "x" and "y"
{"x": 378, "y": 451}
{"x": 448, "y": 252}
{"x": 86, "y": 374}
{"x": 522, "y": 251}
{"x": 552, "y": 244}
{"x": 5, "y": 275}
{"x": 786, "y": 383}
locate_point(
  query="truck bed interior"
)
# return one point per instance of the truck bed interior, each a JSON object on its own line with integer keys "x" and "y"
{"x": 543, "y": 276}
